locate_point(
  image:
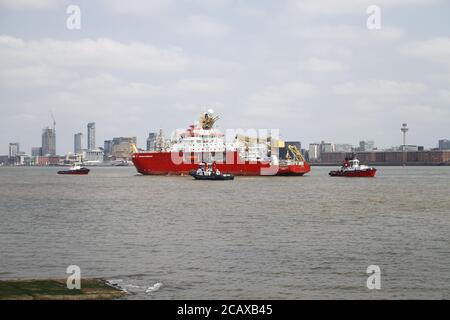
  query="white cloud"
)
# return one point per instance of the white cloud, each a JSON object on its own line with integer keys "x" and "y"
{"x": 277, "y": 100}
{"x": 444, "y": 96}
{"x": 110, "y": 87}
{"x": 143, "y": 7}
{"x": 333, "y": 7}
{"x": 29, "y": 4}
{"x": 100, "y": 53}
{"x": 203, "y": 26}
{"x": 348, "y": 34}
{"x": 380, "y": 89}
{"x": 436, "y": 49}
{"x": 210, "y": 3}
{"x": 201, "y": 85}
{"x": 34, "y": 76}
{"x": 335, "y": 33}
{"x": 158, "y": 58}
{"x": 322, "y": 65}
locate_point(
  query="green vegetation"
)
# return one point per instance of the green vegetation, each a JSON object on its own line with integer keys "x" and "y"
{"x": 56, "y": 289}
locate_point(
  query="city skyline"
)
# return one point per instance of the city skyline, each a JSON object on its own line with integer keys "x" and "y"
{"x": 77, "y": 142}
{"x": 315, "y": 74}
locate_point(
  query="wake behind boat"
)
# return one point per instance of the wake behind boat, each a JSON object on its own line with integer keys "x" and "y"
{"x": 76, "y": 169}
{"x": 352, "y": 168}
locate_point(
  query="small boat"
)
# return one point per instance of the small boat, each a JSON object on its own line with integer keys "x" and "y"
{"x": 76, "y": 170}
{"x": 352, "y": 168}
{"x": 207, "y": 173}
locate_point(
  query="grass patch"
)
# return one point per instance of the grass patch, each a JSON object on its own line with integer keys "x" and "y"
{"x": 56, "y": 289}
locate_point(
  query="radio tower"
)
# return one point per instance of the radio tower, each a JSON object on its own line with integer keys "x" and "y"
{"x": 404, "y": 129}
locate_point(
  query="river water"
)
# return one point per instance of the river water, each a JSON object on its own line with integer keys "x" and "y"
{"x": 309, "y": 237}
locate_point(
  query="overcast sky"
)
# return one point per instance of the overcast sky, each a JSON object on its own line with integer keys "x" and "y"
{"x": 310, "y": 68}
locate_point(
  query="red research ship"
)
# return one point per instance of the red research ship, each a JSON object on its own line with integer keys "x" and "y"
{"x": 201, "y": 142}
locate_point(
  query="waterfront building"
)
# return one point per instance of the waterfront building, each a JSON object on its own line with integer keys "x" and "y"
{"x": 326, "y": 147}
{"x": 444, "y": 144}
{"x": 48, "y": 142}
{"x": 366, "y": 145}
{"x": 427, "y": 157}
{"x": 107, "y": 149}
{"x": 408, "y": 148}
{"x": 314, "y": 151}
{"x": 93, "y": 155}
{"x": 121, "y": 147}
{"x": 47, "y": 161}
{"x": 91, "y": 136}
{"x": 343, "y": 147}
{"x": 151, "y": 141}
{"x": 4, "y": 160}
{"x": 77, "y": 143}
{"x": 19, "y": 159}
{"x": 14, "y": 149}
{"x": 36, "y": 151}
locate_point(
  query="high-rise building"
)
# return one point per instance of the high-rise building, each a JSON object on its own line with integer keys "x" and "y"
{"x": 345, "y": 147}
{"x": 107, "y": 147}
{"x": 314, "y": 151}
{"x": 48, "y": 142}
{"x": 326, "y": 147}
{"x": 444, "y": 144}
{"x": 13, "y": 149}
{"x": 36, "y": 151}
{"x": 366, "y": 145}
{"x": 121, "y": 147}
{"x": 77, "y": 143}
{"x": 151, "y": 141}
{"x": 91, "y": 136}
{"x": 94, "y": 155}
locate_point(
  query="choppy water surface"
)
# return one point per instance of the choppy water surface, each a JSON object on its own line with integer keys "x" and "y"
{"x": 255, "y": 237}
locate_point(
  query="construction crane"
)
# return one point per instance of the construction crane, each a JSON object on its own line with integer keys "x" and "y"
{"x": 297, "y": 154}
{"x": 54, "y": 121}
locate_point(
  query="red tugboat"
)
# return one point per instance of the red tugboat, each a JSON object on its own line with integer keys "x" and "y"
{"x": 202, "y": 142}
{"x": 352, "y": 168}
{"x": 75, "y": 170}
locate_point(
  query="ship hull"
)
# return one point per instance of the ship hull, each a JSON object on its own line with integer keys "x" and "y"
{"x": 162, "y": 163}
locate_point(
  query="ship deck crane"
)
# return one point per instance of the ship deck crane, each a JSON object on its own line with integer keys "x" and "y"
{"x": 297, "y": 154}
{"x": 134, "y": 149}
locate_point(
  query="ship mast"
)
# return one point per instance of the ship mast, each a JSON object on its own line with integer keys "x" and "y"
{"x": 207, "y": 120}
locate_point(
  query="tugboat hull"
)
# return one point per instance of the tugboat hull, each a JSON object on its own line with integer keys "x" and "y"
{"x": 83, "y": 171}
{"x": 221, "y": 177}
{"x": 367, "y": 173}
